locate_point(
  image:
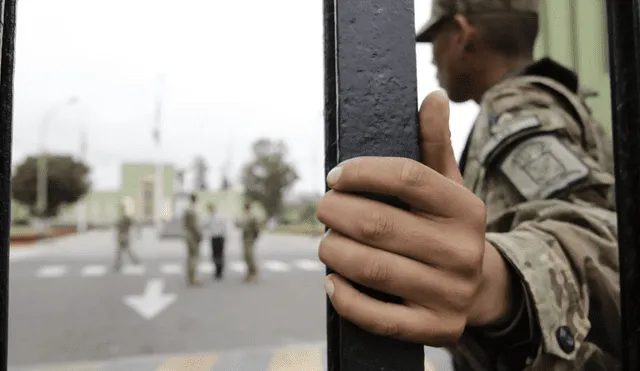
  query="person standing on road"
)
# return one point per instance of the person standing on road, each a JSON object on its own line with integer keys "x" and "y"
{"x": 123, "y": 227}
{"x": 216, "y": 226}
{"x": 250, "y": 232}
{"x": 193, "y": 237}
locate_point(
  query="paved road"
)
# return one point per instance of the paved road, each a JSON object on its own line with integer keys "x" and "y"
{"x": 68, "y": 306}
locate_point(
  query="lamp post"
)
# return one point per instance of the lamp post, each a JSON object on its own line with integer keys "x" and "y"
{"x": 42, "y": 188}
{"x": 81, "y": 224}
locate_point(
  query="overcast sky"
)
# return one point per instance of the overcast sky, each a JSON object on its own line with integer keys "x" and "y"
{"x": 234, "y": 71}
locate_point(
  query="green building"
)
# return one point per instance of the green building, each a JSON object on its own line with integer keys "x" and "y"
{"x": 574, "y": 33}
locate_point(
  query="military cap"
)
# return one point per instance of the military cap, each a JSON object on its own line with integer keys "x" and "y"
{"x": 443, "y": 9}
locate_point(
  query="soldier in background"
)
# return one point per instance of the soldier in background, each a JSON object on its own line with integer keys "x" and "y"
{"x": 509, "y": 259}
{"x": 193, "y": 236}
{"x": 250, "y": 231}
{"x": 123, "y": 232}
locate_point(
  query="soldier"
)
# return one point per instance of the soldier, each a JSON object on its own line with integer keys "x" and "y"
{"x": 510, "y": 260}
{"x": 250, "y": 232}
{"x": 124, "y": 233}
{"x": 193, "y": 237}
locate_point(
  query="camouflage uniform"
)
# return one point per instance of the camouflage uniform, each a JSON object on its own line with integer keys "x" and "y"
{"x": 193, "y": 238}
{"x": 543, "y": 166}
{"x": 250, "y": 231}
{"x": 124, "y": 236}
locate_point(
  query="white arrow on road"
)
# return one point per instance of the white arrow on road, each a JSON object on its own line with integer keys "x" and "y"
{"x": 152, "y": 301}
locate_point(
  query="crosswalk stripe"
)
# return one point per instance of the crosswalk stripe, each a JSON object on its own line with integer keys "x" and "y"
{"x": 206, "y": 267}
{"x": 133, "y": 270}
{"x": 276, "y": 266}
{"x": 238, "y": 266}
{"x": 189, "y": 363}
{"x": 297, "y": 359}
{"x": 171, "y": 269}
{"x": 94, "y": 270}
{"x": 51, "y": 271}
{"x": 309, "y": 265}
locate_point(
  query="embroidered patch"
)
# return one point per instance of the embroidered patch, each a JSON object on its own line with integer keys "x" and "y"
{"x": 541, "y": 166}
{"x": 509, "y": 130}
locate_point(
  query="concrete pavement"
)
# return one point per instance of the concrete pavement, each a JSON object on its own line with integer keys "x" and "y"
{"x": 68, "y": 306}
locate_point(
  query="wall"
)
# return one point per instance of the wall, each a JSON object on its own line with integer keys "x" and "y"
{"x": 574, "y": 33}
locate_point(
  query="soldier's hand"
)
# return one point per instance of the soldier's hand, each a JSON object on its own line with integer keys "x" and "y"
{"x": 433, "y": 256}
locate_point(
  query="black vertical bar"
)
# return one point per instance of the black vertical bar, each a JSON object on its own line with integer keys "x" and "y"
{"x": 370, "y": 110}
{"x": 331, "y": 159}
{"x": 624, "y": 58}
{"x": 6, "y": 116}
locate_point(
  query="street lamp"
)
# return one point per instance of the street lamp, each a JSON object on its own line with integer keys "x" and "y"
{"x": 41, "y": 190}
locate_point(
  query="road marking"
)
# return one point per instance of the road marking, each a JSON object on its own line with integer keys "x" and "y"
{"x": 276, "y": 266}
{"x": 238, "y": 266}
{"x": 51, "y": 271}
{"x": 133, "y": 270}
{"x": 94, "y": 270}
{"x": 309, "y": 265}
{"x": 152, "y": 301}
{"x": 297, "y": 359}
{"x": 189, "y": 363}
{"x": 206, "y": 267}
{"x": 171, "y": 269}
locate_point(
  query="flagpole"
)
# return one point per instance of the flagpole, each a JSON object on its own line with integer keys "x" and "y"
{"x": 159, "y": 182}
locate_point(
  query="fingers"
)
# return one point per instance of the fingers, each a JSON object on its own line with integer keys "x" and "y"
{"x": 386, "y": 272}
{"x": 397, "y": 231}
{"x": 435, "y": 136}
{"x": 408, "y": 180}
{"x": 404, "y": 322}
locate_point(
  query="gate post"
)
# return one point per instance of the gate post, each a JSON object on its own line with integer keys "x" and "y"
{"x": 624, "y": 60}
{"x": 370, "y": 110}
{"x": 7, "y": 30}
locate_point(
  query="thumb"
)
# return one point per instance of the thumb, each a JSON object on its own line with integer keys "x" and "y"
{"x": 435, "y": 136}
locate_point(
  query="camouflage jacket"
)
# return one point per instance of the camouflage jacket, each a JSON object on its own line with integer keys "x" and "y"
{"x": 123, "y": 228}
{"x": 191, "y": 227}
{"x": 543, "y": 166}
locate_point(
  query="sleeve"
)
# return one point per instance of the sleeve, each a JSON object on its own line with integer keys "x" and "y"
{"x": 560, "y": 242}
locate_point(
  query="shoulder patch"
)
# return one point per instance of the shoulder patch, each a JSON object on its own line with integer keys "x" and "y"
{"x": 508, "y": 130}
{"x": 541, "y": 166}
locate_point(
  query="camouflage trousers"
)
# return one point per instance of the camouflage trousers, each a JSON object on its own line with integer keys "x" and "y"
{"x": 124, "y": 248}
{"x": 248, "y": 247}
{"x": 192, "y": 260}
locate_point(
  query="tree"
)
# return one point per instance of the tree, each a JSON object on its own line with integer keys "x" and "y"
{"x": 67, "y": 182}
{"x": 268, "y": 176}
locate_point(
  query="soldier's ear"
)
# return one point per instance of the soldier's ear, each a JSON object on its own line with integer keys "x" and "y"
{"x": 466, "y": 34}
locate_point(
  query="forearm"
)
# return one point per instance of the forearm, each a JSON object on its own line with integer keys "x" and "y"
{"x": 563, "y": 257}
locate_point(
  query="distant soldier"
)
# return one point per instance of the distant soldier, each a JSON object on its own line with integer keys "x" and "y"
{"x": 250, "y": 232}
{"x": 124, "y": 232}
{"x": 193, "y": 236}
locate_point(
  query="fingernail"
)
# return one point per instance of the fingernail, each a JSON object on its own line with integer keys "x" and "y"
{"x": 334, "y": 174}
{"x": 329, "y": 287}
